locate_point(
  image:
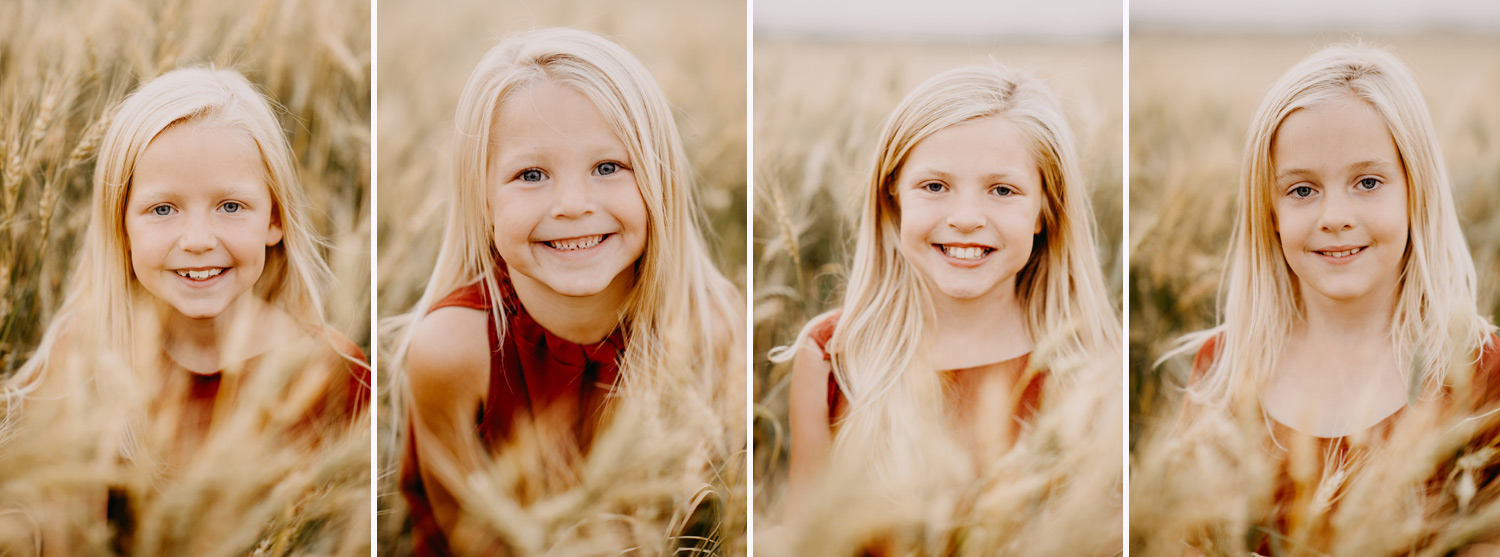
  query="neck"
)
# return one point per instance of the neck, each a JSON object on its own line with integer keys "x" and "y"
{"x": 977, "y": 331}
{"x": 206, "y": 345}
{"x": 1367, "y": 318}
{"x": 577, "y": 319}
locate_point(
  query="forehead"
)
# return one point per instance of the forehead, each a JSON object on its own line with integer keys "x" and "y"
{"x": 194, "y": 156}
{"x": 1332, "y": 136}
{"x": 980, "y": 146}
{"x": 552, "y": 115}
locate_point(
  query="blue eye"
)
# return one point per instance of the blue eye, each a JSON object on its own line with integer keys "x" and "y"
{"x": 232, "y": 207}
{"x": 161, "y": 210}
{"x": 1368, "y": 184}
{"x": 1302, "y": 191}
{"x": 606, "y": 168}
{"x": 1004, "y": 191}
{"x": 531, "y": 175}
{"x": 934, "y": 187}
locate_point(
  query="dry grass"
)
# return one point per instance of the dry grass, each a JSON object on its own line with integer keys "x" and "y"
{"x": 639, "y": 497}
{"x": 1191, "y": 100}
{"x": 818, "y": 110}
{"x": 63, "y": 66}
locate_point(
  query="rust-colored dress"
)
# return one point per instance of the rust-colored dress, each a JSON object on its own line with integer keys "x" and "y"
{"x": 1339, "y": 451}
{"x": 822, "y": 332}
{"x": 532, "y": 373}
{"x": 344, "y": 400}
{"x": 954, "y": 388}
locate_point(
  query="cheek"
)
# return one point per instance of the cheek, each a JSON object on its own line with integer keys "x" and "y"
{"x": 630, "y": 208}
{"x": 1396, "y": 221}
{"x": 507, "y": 218}
{"x": 913, "y": 226}
{"x": 1290, "y": 225}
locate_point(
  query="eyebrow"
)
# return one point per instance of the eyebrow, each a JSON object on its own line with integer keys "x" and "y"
{"x": 990, "y": 177}
{"x": 1361, "y": 166}
{"x": 526, "y": 153}
{"x": 220, "y": 189}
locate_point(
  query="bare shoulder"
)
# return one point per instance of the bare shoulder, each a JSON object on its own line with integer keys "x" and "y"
{"x": 449, "y": 357}
{"x": 810, "y": 370}
{"x": 808, "y": 413}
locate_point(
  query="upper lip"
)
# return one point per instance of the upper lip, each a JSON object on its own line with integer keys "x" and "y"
{"x": 963, "y": 245}
{"x": 575, "y": 237}
{"x": 200, "y": 269}
{"x": 1339, "y": 248}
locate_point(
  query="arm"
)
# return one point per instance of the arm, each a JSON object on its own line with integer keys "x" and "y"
{"x": 448, "y": 371}
{"x": 811, "y": 438}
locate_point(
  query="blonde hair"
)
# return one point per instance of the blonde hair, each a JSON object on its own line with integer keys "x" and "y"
{"x": 99, "y": 304}
{"x": 878, "y": 358}
{"x": 682, "y": 313}
{"x": 1435, "y": 321}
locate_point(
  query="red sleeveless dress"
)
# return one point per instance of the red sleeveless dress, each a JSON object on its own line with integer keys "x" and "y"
{"x": 532, "y": 373}
{"x": 1484, "y": 395}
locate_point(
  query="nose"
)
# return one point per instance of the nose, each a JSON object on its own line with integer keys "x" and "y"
{"x": 1338, "y": 211}
{"x": 572, "y": 198}
{"x": 198, "y": 234}
{"x": 964, "y": 214}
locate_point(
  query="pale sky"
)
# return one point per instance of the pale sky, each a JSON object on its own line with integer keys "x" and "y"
{"x": 1291, "y": 16}
{"x": 1075, "y": 20}
{"x": 941, "y": 20}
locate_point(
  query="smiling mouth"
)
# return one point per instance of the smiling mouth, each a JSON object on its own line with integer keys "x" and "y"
{"x": 573, "y": 244}
{"x": 967, "y": 253}
{"x": 1341, "y": 254}
{"x": 200, "y": 275}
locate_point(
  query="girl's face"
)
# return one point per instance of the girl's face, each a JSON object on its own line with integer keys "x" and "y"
{"x": 1340, "y": 192}
{"x": 970, "y": 198}
{"x": 199, "y": 217}
{"x": 562, "y": 194}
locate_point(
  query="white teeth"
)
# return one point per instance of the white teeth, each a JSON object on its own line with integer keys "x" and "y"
{"x": 583, "y": 242}
{"x": 200, "y": 275}
{"x": 1342, "y": 254}
{"x": 969, "y": 253}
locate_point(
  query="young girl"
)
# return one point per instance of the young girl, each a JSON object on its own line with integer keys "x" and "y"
{"x": 572, "y": 278}
{"x": 1349, "y": 296}
{"x": 198, "y": 270}
{"x": 975, "y": 245}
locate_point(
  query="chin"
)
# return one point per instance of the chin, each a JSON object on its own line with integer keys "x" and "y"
{"x": 964, "y": 291}
{"x": 198, "y": 313}
{"x": 579, "y": 288}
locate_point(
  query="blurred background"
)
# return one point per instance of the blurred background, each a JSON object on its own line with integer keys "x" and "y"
{"x": 1197, "y": 72}
{"x": 827, "y": 74}
{"x": 696, "y": 52}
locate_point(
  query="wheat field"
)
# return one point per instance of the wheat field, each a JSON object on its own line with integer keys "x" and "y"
{"x": 1191, "y": 98}
{"x": 818, "y": 108}
{"x": 63, "y": 66}
{"x": 629, "y": 495}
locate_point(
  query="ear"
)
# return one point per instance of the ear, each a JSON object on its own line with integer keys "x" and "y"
{"x": 1038, "y": 229}
{"x": 273, "y": 233}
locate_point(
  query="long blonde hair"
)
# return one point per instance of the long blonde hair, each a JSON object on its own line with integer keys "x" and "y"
{"x": 99, "y": 305}
{"x": 1436, "y": 325}
{"x": 878, "y": 358}
{"x": 682, "y": 313}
